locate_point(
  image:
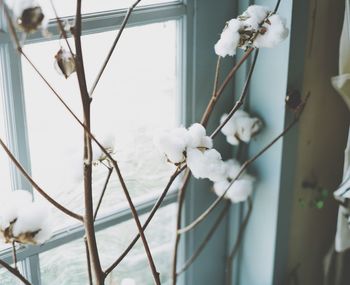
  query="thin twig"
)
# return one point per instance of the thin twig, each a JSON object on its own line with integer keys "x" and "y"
{"x": 36, "y": 186}
{"x": 14, "y": 272}
{"x": 88, "y": 198}
{"x": 110, "y": 170}
{"x": 122, "y": 27}
{"x": 148, "y": 220}
{"x": 240, "y": 101}
{"x": 238, "y": 242}
{"x": 14, "y": 254}
{"x": 88, "y": 260}
{"x": 206, "y": 239}
{"x": 245, "y": 165}
{"x": 62, "y": 30}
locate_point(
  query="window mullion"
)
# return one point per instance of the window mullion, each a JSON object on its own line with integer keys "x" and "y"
{"x": 31, "y": 269}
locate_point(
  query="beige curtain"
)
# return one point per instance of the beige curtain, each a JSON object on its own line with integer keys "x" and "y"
{"x": 337, "y": 261}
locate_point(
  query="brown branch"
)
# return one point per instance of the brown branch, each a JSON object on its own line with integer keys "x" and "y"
{"x": 14, "y": 272}
{"x": 88, "y": 198}
{"x": 122, "y": 27}
{"x": 245, "y": 165}
{"x": 148, "y": 220}
{"x": 110, "y": 170}
{"x": 14, "y": 254}
{"x": 36, "y": 186}
{"x": 88, "y": 261}
{"x": 206, "y": 239}
{"x": 240, "y": 101}
{"x": 238, "y": 242}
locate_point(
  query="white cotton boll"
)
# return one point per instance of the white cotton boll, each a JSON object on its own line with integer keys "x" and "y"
{"x": 257, "y": 12}
{"x": 33, "y": 218}
{"x": 229, "y": 128}
{"x": 9, "y": 211}
{"x": 207, "y": 164}
{"x": 227, "y": 43}
{"x": 276, "y": 32}
{"x": 198, "y": 137}
{"x": 247, "y": 127}
{"x": 240, "y": 190}
{"x": 233, "y": 167}
{"x": 173, "y": 144}
{"x": 220, "y": 187}
{"x": 234, "y": 25}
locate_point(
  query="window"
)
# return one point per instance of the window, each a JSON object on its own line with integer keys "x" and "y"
{"x": 139, "y": 93}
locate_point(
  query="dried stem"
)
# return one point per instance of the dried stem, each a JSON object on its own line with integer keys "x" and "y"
{"x": 62, "y": 30}
{"x": 88, "y": 199}
{"x": 240, "y": 101}
{"x": 14, "y": 272}
{"x": 206, "y": 239}
{"x": 122, "y": 27}
{"x": 36, "y": 186}
{"x": 110, "y": 170}
{"x": 238, "y": 242}
{"x": 14, "y": 254}
{"x": 245, "y": 165}
{"x": 148, "y": 220}
{"x": 88, "y": 261}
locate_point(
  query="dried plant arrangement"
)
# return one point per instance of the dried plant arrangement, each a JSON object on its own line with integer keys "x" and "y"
{"x": 189, "y": 151}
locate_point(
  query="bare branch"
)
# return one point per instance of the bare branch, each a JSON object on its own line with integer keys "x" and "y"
{"x": 148, "y": 220}
{"x": 110, "y": 170}
{"x": 88, "y": 260}
{"x": 238, "y": 242}
{"x": 206, "y": 239}
{"x": 122, "y": 27}
{"x": 14, "y": 272}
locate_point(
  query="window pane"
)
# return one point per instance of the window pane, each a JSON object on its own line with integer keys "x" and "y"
{"x": 7, "y": 278}
{"x": 136, "y": 96}
{"x": 67, "y": 265}
{"x": 5, "y": 179}
{"x": 67, "y": 7}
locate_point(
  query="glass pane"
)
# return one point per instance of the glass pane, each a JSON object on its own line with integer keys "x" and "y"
{"x": 136, "y": 96}
{"x": 66, "y": 265}
{"x": 5, "y": 179}
{"x": 7, "y": 278}
{"x": 67, "y": 7}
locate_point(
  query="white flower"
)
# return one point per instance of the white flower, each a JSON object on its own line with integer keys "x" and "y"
{"x": 276, "y": 32}
{"x": 206, "y": 164}
{"x": 241, "y": 127}
{"x": 24, "y": 221}
{"x": 257, "y": 27}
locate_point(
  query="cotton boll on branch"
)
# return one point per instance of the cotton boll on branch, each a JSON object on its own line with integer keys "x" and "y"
{"x": 207, "y": 164}
{"x": 241, "y": 189}
{"x": 241, "y": 127}
{"x": 229, "y": 39}
{"x": 173, "y": 144}
{"x": 198, "y": 138}
{"x": 233, "y": 167}
{"x": 274, "y": 32}
{"x": 257, "y": 13}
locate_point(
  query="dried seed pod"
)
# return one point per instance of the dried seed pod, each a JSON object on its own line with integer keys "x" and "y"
{"x": 31, "y": 19}
{"x": 293, "y": 100}
{"x": 65, "y": 62}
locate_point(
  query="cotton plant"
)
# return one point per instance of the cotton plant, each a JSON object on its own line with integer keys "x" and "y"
{"x": 194, "y": 147}
{"x": 257, "y": 27}
{"x": 240, "y": 128}
{"x": 24, "y": 221}
{"x": 29, "y": 15}
{"x": 240, "y": 189}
